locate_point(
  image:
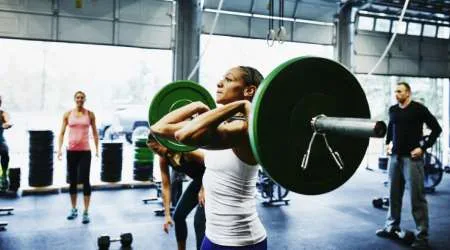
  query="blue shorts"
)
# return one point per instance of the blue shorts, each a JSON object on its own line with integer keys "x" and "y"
{"x": 208, "y": 245}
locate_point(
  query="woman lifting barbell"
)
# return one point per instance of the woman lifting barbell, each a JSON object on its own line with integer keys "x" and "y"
{"x": 300, "y": 100}
{"x": 231, "y": 171}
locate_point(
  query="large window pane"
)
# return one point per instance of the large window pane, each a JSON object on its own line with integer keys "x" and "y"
{"x": 365, "y": 23}
{"x": 399, "y": 27}
{"x": 443, "y": 32}
{"x": 429, "y": 30}
{"x": 383, "y": 25}
{"x": 38, "y": 81}
{"x": 414, "y": 29}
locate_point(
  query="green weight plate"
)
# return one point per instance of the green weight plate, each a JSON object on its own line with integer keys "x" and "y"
{"x": 174, "y": 96}
{"x": 280, "y": 129}
{"x": 143, "y": 156}
{"x": 143, "y": 151}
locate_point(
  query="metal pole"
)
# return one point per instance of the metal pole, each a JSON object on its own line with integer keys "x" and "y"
{"x": 357, "y": 127}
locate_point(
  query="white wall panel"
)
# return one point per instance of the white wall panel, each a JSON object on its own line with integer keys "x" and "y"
{"x": 25, "y": 25}
{"x": 43, "y": 6}
{"x": 313, "y": 33}
{"x": 10, "y": 24}
{"x": 373, "y": 45}
{"x": 408, "y": 55}
{"x": 85, "y": 30}
{"x": 363, "y": 64}
{"x": 150, "y": 12}
{"x": 403, "y": 66}
{"x": 227, "y": 24}
{"x": 144, "y": 35}
{"x": 37, "y": 26}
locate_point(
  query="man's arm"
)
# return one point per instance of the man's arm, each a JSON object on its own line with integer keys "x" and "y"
{"x": 210, "y": 131}
{"x": 389, "y": 133}
{"x": 175, "y": 120}
{"x": 435, "y": 128}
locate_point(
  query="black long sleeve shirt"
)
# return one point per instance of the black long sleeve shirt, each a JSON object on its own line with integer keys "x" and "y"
{"x": 405, "y": 128}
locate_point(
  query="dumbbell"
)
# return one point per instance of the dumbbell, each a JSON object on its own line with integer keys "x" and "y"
{"x": 125, "y": 239}
{"x": 380, "y": 202}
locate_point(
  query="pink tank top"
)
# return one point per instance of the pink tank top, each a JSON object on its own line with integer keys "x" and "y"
{"x": 79, "y": 131}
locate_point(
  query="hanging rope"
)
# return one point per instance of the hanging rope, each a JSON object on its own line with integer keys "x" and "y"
{"x": 388, "y": 47}
{"x": 270, "y": 39}
{"x": 197, "y": 65}
{"x": 281, "y": 34}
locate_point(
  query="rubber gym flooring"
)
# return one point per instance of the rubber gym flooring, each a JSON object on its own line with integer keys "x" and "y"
{"x": 342, "y": 219}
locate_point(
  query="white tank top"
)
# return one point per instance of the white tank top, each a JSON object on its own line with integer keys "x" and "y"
{"x": 230, "y": 202}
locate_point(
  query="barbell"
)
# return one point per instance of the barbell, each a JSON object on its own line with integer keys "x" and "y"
{"x": 309, "y": 127}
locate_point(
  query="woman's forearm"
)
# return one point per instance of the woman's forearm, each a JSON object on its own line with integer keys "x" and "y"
{"x": 177, "y": 119}
{"x": 197, "y": 131}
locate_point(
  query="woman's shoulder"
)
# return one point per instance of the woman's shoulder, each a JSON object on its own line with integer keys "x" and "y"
{"x": 90, "y": 113}
{"x": 67, "y": 113}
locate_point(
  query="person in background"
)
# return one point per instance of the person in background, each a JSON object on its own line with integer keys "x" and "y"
{"x": 79, "y": 119}
{"x": 191, "y": 164}
{"x": 406, "y": 163}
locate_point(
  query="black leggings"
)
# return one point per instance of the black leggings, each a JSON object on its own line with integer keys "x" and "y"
{"x": 79, "y": 162}
{"x": 4, "y": 154}
{"x": 187, "y": 202}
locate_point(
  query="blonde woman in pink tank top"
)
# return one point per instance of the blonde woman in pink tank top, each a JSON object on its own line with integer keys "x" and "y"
{"x": 78, "y": 157}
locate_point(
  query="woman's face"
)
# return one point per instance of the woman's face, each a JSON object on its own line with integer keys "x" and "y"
{"x": 80, "y": 99}
{"x": 231, "y": 87}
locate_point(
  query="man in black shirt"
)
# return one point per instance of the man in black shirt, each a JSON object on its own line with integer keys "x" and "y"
{"x": 405, "y": 130}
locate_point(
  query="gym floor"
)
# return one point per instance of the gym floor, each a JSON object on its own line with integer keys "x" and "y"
{"x": 342, "y": 219}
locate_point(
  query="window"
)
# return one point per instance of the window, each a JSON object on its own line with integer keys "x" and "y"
{"x": 414, "y": 29}
{"x": 399, "y": 27}
{"x": 38, "y": 80}
{"x": 383, "y": 25}
{"x": 443, "y": 32}
{"x": 365, "y": 23}
{"x": 250, "y": 52}
{"x": 429, "y": 30}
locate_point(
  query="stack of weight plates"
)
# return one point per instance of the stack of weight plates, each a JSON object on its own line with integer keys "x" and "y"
{"x": 41, "y": 158}
{"x": 143, "y": 161}
{"x": 111, "y": 162}
{"x": 14, "y": 179}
